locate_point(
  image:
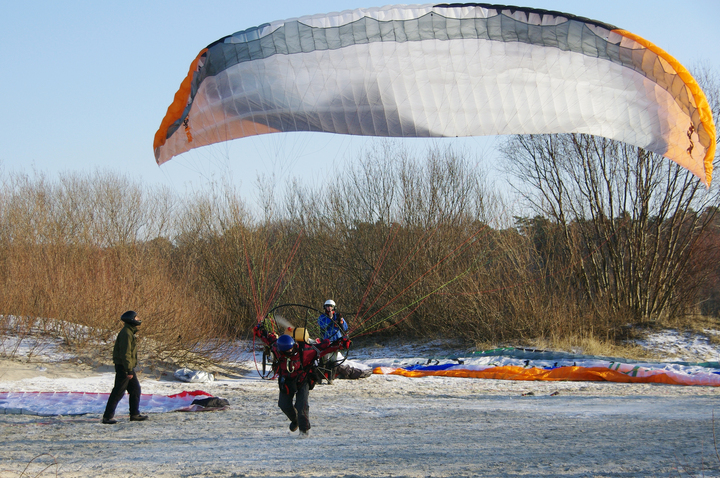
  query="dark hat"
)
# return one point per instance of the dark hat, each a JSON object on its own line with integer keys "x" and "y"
{"x": 129, "y": 318}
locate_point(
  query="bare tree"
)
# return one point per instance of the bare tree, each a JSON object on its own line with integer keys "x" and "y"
{"x": 628, "y": 220}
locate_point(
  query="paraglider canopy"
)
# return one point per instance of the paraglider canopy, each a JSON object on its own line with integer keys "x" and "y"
{"x": 442, "y": 71}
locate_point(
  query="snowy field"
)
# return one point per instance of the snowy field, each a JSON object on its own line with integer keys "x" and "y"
{"x": 381, "y": 426}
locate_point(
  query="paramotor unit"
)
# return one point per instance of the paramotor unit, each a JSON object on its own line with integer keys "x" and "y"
{"x": 290, "y": 319}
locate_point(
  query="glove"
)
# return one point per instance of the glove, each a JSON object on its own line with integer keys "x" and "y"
{"x": 345, "y": 342}
{"x": 325, "y": 343}
{"x": 258, "y": 330}
{"x": 272, "y": 337}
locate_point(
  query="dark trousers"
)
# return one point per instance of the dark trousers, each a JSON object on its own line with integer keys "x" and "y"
{"x": 300, "y": 413}
{"x": 123, "y": 383}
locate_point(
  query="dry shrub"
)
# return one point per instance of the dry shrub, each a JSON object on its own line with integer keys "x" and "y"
{"x": 77, "y": 253}
{"x": 246, "y": 265}
{"x": 407, "y": 247}
{"x": 388, "y": 236}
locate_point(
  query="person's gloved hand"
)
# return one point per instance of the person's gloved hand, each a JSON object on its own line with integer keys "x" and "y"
{"x": 325, "y": 343}
{"x": 345, "y": 342}
{"x": 258, "y": 330}
{"x": 272, "y": 337}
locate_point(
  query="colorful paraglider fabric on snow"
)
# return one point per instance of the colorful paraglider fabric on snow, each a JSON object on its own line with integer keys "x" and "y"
{"x": 442, "y": 71}
{"x": 81, "y": 403}
{"x": 516, "y": 364}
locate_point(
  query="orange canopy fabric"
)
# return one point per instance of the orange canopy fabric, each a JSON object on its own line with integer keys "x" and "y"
{"x": 574, "y": 373}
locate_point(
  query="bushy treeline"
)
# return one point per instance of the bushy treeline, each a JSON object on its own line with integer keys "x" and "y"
{"x": 77, "y": 251}
{"x": 406, "y": 246}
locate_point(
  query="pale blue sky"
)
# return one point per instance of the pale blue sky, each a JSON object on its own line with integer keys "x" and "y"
{"x": 85, "y": 84}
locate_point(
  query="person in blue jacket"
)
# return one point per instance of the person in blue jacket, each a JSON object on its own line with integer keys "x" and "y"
{"x": 333, "y": 327}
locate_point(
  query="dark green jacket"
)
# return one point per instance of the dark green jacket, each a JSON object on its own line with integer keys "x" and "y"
{"x": 125, "y": 351}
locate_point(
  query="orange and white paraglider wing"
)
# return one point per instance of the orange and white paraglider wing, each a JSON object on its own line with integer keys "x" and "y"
{"x": 442, "y": 71}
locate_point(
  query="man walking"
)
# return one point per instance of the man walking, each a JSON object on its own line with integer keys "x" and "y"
{"x": 125, "y": 360}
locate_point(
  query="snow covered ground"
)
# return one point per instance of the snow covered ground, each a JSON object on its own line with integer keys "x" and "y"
{"x": 381, "y": 426}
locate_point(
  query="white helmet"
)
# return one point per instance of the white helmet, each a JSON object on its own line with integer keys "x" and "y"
{"x": 330, "y": 302}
